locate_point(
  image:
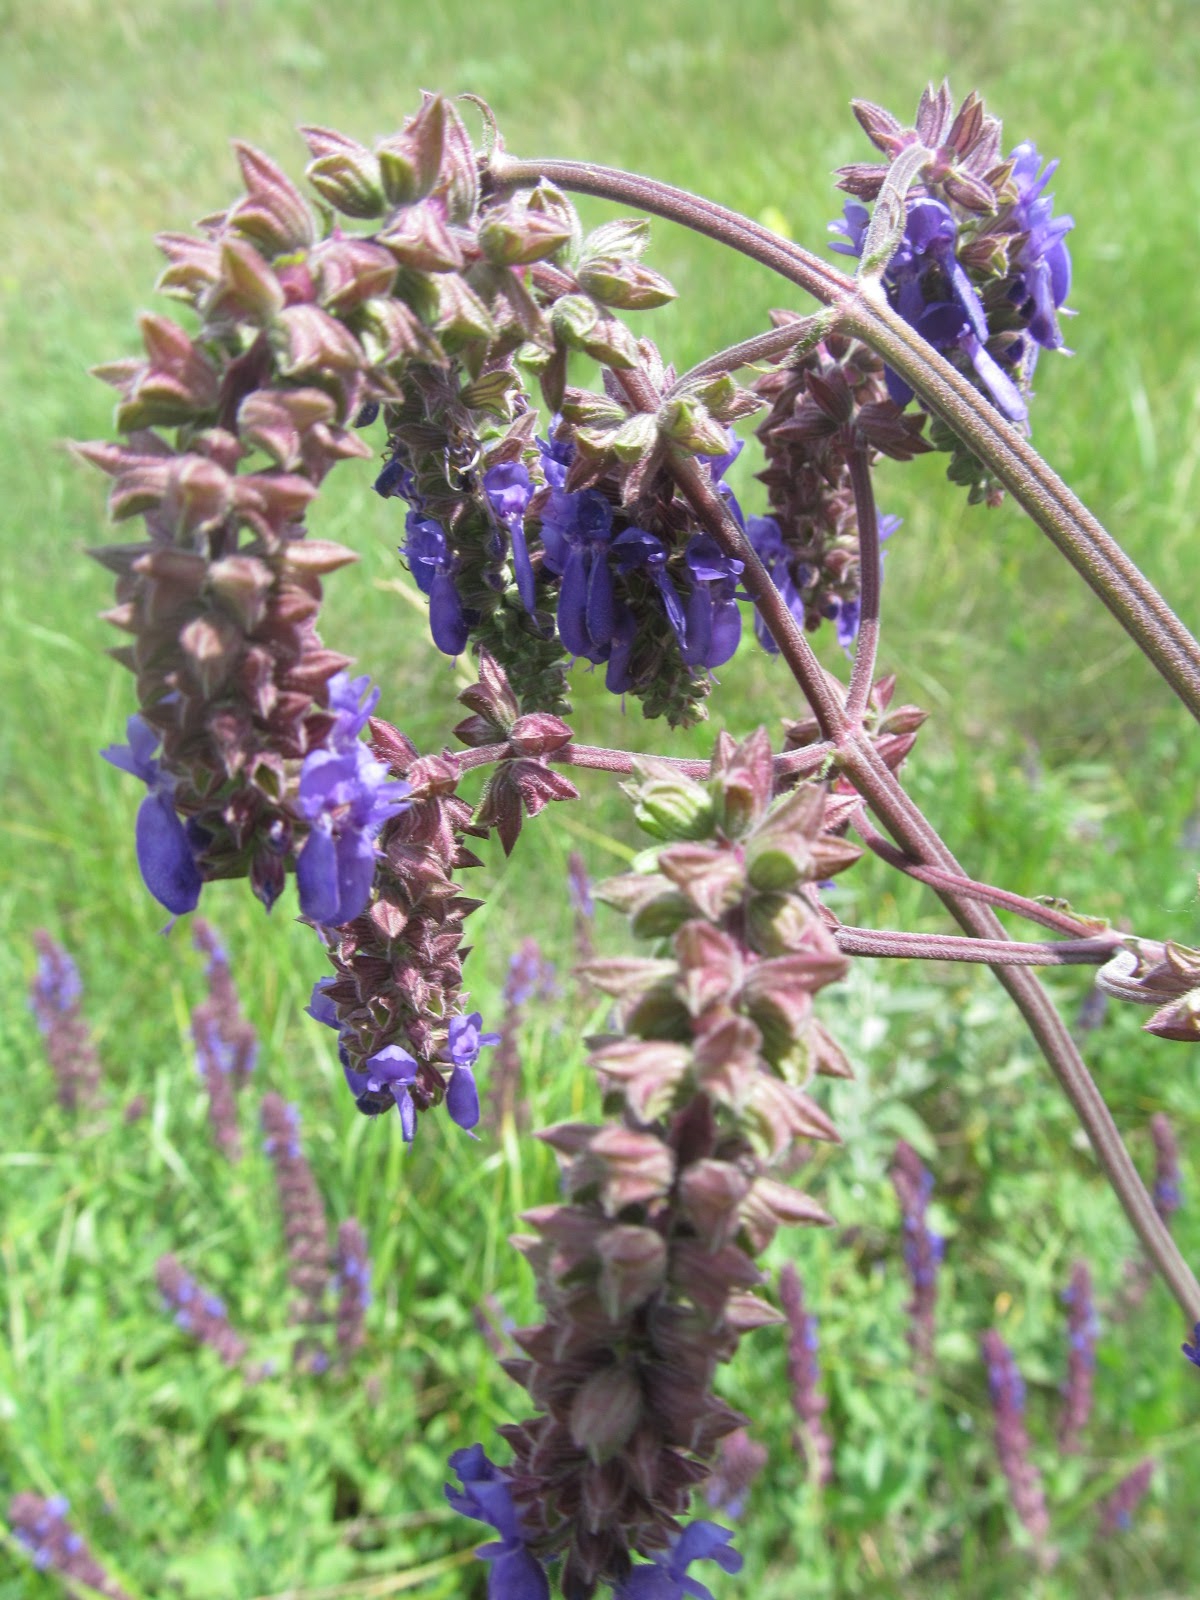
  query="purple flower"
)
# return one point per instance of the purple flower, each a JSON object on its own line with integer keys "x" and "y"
{"x": 384, "y": 1082}
{"x": 576, "y": 535}
{"x": 466, "y": 1041}
{"x": 509, "y": 488}
{"x": 164, "y": 848}
{"x": 1116, "y": 1509}
{"x": 917, "y": 279}
{"x": 666, "y": 1578}
{"x": 712, "y": 621}
{"x": 346, "y": 797}
{"x": 767, "y": 539}
{"x": 1044, "y": 279}
{"x": 635, "y": 548}
{"x": 1192, "y": 1351}
{"x": 516, "y": 1573}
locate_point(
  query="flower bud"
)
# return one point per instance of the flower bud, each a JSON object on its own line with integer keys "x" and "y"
{"x": 669, "y": 805}
{"x": 605, "y": 1412}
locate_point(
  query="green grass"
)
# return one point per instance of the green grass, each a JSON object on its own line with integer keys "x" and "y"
{"x": 1054, "y": 763}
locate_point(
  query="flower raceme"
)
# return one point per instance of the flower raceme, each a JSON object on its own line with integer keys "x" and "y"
{"x": 646, "y": 1270}
{"x": 983, "y": 269}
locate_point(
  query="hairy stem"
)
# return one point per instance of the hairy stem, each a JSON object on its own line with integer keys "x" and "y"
{"x": 864, "y": 312}
{"x": 891, "y": 944}
{"x": 772, "y": 345}
{"x": 870, "y": 575}
{"x": 792, "y": 763}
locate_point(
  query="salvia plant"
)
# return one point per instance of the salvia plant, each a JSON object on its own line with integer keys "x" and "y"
{"x": 226, "y": 1043}
{"x": 41, "y": 1528}
{"x": 429, "y": 303}
{"x": 55, "y": 997}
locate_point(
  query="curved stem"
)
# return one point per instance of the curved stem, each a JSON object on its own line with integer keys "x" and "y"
{"x": 870, "y": 578}
{"x": 865, "y": 313}
{"x": 600, "y": 758}
{"x": 772, "y": 345}
{"x": 890, "y": 944}
{"x": 1071, "y": 527}
{"x": 970, "y": 888}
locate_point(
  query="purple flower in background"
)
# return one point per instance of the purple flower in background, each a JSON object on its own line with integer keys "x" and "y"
{"x": 305, "y": 1229}
{"x": 1081, "y": 1359}
{"x": 509, "y": 488}
{"x": 164, "y": 850}
{"x": 352, "y": 1279}
{"x": 54, "y": 997}
{"x": 198, "y": 1313}
{"x": 1192, "y": 1351}
{"x": 516, "y": 1573}
{"x": 666, "y": 1577}
{"x": 1007, "y": 1390}
{"x": 740, "y": 1459}
{"x": 1168, "y": 1193}
{"x": 466, "y": 1041}
{"x": 41, "y": 1528}
{"x": 346, "y": 796}
{"x": 804, "y": 1377}
{"x": 1116, "y": 1509}
{"x": 923, "y": 1249}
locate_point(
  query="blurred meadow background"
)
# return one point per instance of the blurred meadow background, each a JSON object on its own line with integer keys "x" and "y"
{"x": 1053, "y": 762}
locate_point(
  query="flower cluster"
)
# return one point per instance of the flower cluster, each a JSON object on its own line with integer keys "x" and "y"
{"x": 923, "y": 1249}
{"x": 197, "y": 1312}
{"x": 630, "y": 584}
{"x": 305, "y": 1228}
{"x": 813, "y": 1443}
{"x": 983, "y": 268}
{"x": 583, "y": 907}
{"x": 1168, "y": 1192}
{"x": 1007, "y": 1390}
{"x": 646, "y": 1270}
{"x": 229, "y": 432}
{"x": 530, "y": 978}
{"x": 825, "y": 404}
{"x": 352, "y": 1280}
{"x": 395, "y": 1001}
{"x": 54, "y": 997}
{"x": 1117, "y": 1508}
{"x": 740, "y": 1459}
{"x": 41, "y": 1527}
{"x": 226, "y": 1043}
{"x": 1081, "y": 1360}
